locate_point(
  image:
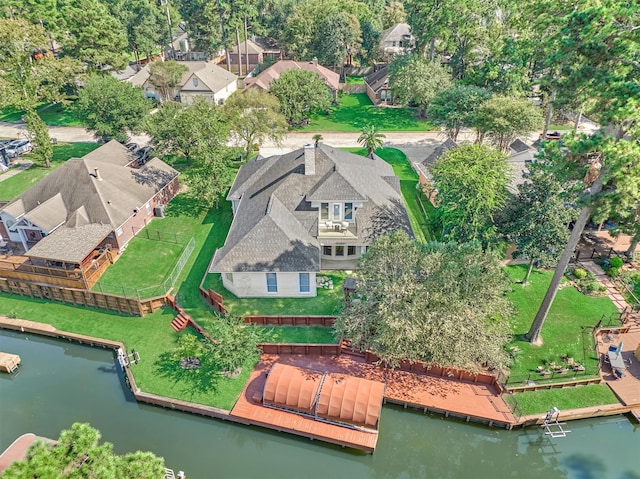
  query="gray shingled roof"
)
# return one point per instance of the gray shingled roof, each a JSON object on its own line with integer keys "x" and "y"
{"x": 70, "y": 245}
{"x": 395, "y": 33}
{"x": 378, "y": 79}
{"x": 210, "y": 74}
{"x": 275, "y": 228}
{"x": 519, "y": 146}
{"x": 449, "y": 144}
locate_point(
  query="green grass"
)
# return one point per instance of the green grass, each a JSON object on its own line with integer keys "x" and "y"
{"x": 566, "y": 331}
{"x": 19, "y": 183}
{"x": 356, "y": 111}
{"x": 299, "y": 334}
{"x": 355, "y": 80}
{"x": 54, "y": 114}
{"x": 537, "y": 402}
{"x": 143, "y": 266}
{"x": 328, "y": 301}
{"x": 408, "y": 181}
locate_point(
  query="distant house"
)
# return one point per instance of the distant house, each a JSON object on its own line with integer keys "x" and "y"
{"x": 255, "y": 56}
{"x": 86, "y": 208}
{"x": 266, "y": 77}
{"x": 378, "y": 89}
{"x": 396, "y": 40}
{"x": 520, "y": 155}
{"x": 423, "y": 168}
{"x": 313, "y": 209}
{"x": 202, "y": 79}
{"x": 181, "y": 48}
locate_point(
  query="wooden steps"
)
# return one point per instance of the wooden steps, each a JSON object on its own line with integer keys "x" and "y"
{"x": 181, "y": 321}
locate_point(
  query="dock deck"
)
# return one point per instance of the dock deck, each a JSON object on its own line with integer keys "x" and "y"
{"x": 9, "y": 362}
{"x": 259, "y": 415}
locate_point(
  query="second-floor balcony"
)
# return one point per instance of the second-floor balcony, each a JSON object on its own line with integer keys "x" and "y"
{"x": 337, "y": 229}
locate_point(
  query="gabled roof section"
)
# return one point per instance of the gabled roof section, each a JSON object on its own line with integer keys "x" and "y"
{"x": 253, "y": 47}
{"x": 396, "y": 33}
{"x": 449, "y": 144}
{"x": 71, "y": 245}
{"x": 335, "y": 187}
{"x": 210, "y": 74}
{"x": 48, "y": 215}
{"x": 112, "y": 152}
{"x": 267, "y": 76}
{"x": 378, "y": 79}
{"x": 518, "y": 146}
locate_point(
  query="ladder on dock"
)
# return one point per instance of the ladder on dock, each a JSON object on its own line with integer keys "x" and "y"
{"x": 551, "y": 425}
{"x": 169, "y": 474}
{"x": 9, "y": 362}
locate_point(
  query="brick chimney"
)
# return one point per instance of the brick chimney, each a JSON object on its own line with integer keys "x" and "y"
{"x": 97, "y": 173}
{"x": 309, "y": 160}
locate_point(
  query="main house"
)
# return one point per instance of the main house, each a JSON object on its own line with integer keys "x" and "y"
{"x": 313, "y": 209}
{"x": 72, "y": 223}
{"x": 202, "y": 79}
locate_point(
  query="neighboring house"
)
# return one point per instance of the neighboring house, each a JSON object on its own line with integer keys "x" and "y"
{"x": 378, "y": 89}
{"x": 520, "y": 155}
{"x": 424, "y": 175}
{"x": 313, "y": 209}
{"x": 396, "y": 40}
{"x": 180, "y": 49}
{"x": 202, "y": 79}
{"x": 255, "y": 55}
{"x": 266, "y": 77}
{"x": 86, "y": 206}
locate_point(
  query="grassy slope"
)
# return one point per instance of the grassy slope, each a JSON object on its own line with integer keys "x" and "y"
{"x": 19, "y": 183}
{"x": 356, "y": 110}
{"x": 52, "y": 114}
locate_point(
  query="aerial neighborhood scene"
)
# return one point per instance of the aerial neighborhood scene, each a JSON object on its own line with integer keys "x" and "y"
{"x": 292, "y": 238}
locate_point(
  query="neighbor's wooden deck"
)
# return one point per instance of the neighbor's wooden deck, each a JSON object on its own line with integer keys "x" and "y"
{"x": 260, "y": 415}
{"x": 626, "y": 389}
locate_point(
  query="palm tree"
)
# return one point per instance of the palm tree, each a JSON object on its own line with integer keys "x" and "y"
{"x": 317, "y": 138}
{"x": 371, "y": 139}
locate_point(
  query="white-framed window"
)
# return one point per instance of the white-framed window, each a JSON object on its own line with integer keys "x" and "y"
{"x": 337, "y": 211}
{"x": 119, "y": 231}
{"x": 348, "y": 211}
{"x": 324, "y": 211}
{"x": 272, "y": 283}
{"x": 326, "y": 250}
{"x": 304, "y": 283}
{"x": 195, "y": 81}
{"x": 229, "y": 277}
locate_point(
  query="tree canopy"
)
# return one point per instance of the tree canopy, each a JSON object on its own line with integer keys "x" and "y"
{"x": 166, "y": 76}
{"x": 301, "y": 92}
{"x": 437, "y": 302}
{"x": 254, "y": 117}
{"x": 471, "y": 181}
{"x": 79, "y": 454}
{"x": 111, "y": 108}
{"x": 416, "y": 81}
{"x": 455, "y": 107}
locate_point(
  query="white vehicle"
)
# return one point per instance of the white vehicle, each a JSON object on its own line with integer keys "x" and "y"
{"x": 18, "y": 147}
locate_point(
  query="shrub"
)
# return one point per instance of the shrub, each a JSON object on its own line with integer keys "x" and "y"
{"x": 580, "y": 273}
{"x": 590, "y": 286}
{"x": 613, "y": 271}
{"x": 616, "y": 262}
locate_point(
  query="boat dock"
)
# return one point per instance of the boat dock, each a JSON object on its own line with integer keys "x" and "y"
{"x": 9, "y": 363}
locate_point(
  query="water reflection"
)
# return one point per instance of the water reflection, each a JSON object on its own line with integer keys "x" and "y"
{"x": 61, "y": 383}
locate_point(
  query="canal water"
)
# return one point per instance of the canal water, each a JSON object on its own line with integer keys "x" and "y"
{"x": 61, "y": 382}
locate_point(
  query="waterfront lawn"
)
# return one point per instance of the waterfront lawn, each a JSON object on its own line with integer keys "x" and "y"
{"x": 408, "y": 181}
{"x": 539, "y": 402}
{"x": 299, "y": 334}
{"x": 355, "y": 111}
{"x": 18, "y": 184}
{"x": 142, "y": 268}
{"x": 566, "y": 331}
{"x": 328, "y": 302}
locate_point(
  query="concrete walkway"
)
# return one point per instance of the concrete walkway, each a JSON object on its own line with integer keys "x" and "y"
{"x": 22, "y": 165}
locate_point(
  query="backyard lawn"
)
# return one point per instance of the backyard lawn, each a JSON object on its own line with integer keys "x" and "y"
{"x": 566, "y": 331}
{"x": 541, "y": 401}
{"x": 356, "y": 111}
{"x": 52, "y": 114}
{"x": 18, "y": 184}
{"x": 298, "y": 334}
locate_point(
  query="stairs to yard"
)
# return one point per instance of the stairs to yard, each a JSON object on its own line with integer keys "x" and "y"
{"x": 181, "y": 321}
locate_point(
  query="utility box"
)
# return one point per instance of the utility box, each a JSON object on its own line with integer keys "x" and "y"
{"x": 159, "y": 211}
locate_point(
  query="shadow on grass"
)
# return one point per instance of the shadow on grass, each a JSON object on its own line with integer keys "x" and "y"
{"x": 185, "y": 205}
{"x": 204, "y": 379}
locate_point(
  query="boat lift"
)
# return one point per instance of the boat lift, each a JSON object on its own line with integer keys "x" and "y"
{"x": 551, "y": 425}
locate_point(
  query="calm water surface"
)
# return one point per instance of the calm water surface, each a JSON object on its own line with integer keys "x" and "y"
{"x": 61, "y": 383}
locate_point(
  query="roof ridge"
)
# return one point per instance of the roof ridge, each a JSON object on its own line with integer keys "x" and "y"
{"x": 91, "y": 176}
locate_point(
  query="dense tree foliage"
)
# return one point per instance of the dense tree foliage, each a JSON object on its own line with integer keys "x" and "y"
{"x": 538, "y": 219}
{"x": 301, "y": 92}
{"x": 79, "y": 454}
{"x": 438, "y": 302}
{"x": 254, "y": 117}
{"x": 455, "y": 107}
{"x": 472, "y": 186}
{"x": 502, "y": 119}
{"x": 166, "y": 76}
{"x": 40, "y": 139}
{"x": 111, "y": 108}
{"x": 338, "y": 35}
{"x": 416, "y": 81}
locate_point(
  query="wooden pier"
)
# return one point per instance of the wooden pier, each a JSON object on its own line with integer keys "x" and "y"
{"x": 9, "y": 363}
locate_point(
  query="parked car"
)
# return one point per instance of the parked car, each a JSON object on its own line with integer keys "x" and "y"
{"x": 18, "y": 147}
{"x": 144, "y": 154}
{"x": 132, "y": 146}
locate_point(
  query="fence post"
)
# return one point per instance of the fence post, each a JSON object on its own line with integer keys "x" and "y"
{"x": 124, "y": 292}
{"x": 610, "y": 253}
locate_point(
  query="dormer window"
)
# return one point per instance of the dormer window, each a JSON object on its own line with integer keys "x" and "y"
{"x": 195, "y": 81}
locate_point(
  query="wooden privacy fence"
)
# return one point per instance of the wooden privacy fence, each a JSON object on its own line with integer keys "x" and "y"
{"x": 83, "y": 297}
{"x": 290, "y": 320}
{"x": 308, "y": 349}
{"x": 214, "y": 299}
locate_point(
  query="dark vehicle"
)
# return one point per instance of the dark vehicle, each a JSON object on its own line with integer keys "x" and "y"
{"x": 132, "y": 146}
{"x": 144, "y": 154}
